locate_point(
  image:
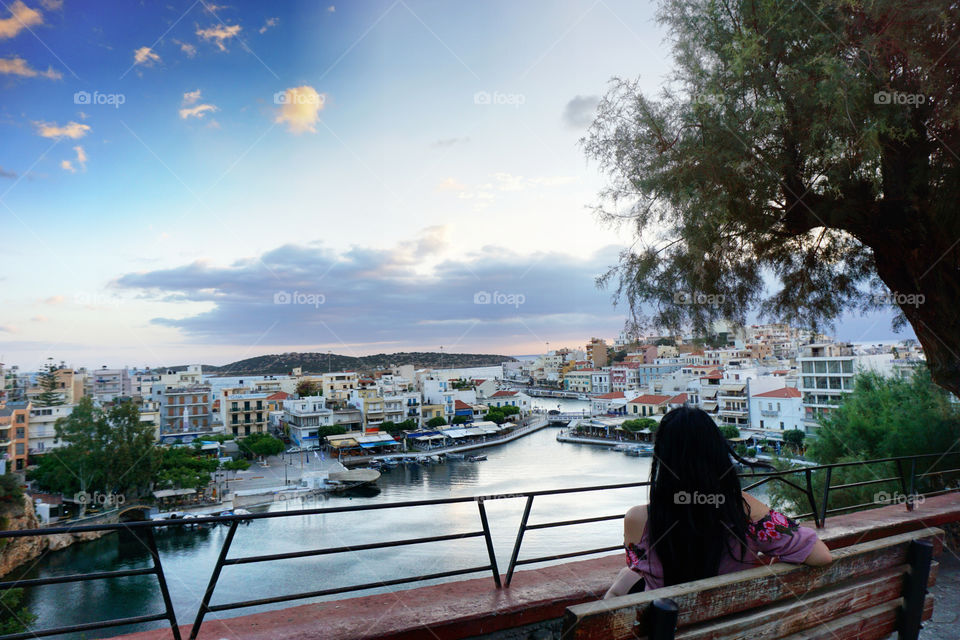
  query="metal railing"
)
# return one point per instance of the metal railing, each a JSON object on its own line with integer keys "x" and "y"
{"x": 907, "y": 478}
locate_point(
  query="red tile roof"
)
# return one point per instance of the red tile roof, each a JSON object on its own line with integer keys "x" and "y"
{"x": 460, "y": 404}
{"x": 713, "y": 375}
{"x": 780, "y": 372}
{"x": 279, "y": 395}
{"x": 613, "y": 395}
{"x": 504, "y": 394}
{"x": 680, "y": 398}
{"x": 785, "y": 392}
{"x": 651, "y": 398}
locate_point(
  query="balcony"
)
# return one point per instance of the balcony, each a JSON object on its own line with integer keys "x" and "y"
{"x": 772, "y": 413}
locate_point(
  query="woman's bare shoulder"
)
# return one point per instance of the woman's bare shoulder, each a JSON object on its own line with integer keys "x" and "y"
{"x": 757, "y": 509}
{"x": 634, "y": 522}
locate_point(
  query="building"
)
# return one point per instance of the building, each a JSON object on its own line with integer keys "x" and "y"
{"x": 597, "y": 352}
{"x": 510, "y": 398}
{"x": 184, "y": 410}
{"x": 827, "y": 373}
{"x": 337, "y": 386}
{"x": 304, "y": 417}
{"x": 244, "y": 412}
{"x": 600, "y": 382}
{"x": 579, "y": 381}
{"x": 612, "y": 403}
{"x": 15, "y": 434}
{"x": 648, "y": 404}
{"x": 776, "y": 411}
{"x": 106, "y": 385}
{"x": 43, "y": 433}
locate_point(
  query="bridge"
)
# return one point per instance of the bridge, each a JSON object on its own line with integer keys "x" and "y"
{"x": 568, "y": 416}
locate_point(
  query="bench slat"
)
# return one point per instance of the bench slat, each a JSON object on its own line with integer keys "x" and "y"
{"x": 876, "y": 623}
{"x": 789, "y": 617}
{"x": 704, "y": 600}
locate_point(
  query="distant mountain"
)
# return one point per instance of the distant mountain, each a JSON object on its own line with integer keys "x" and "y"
{"x": 315, "y": 362}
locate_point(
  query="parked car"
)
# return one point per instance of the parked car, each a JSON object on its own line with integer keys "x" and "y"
{"x": 294, "y": 450}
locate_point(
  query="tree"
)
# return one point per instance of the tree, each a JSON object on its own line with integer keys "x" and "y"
{"x": 435, "y": 422}
{"x": 10, "y": 490}
{"x": 184, "y": 468}
{"x": 236, "y": 465}
{"x": 331, "y": 430}
{"x": 729, "y": 431}
{"x": 496, "y": 415}
{"x": 51, "y": 395}
{"x": 794, "y": 437}
{"x": 509, "y": 410}
{"x": 461, "y": 419}
{"x": 395, "y": 428}
{"x": 639, "y": 424}
{"x": 811, "y": 143}
{"x": 308, "y": 388}
{"x": 262, "y": 445}
{"x": 108, "y": 451}
{"x": 14, "y": 615}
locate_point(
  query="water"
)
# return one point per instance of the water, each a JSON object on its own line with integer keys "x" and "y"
{"x": 536, "y": 461}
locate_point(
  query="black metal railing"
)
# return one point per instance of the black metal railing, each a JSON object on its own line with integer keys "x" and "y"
{"x": 908, "y": 479}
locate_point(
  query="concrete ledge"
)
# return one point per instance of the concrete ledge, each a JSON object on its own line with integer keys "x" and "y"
{"x": 473, "y": 607}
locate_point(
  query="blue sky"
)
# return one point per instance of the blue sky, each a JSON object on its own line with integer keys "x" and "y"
{"x": 171, "y": 174}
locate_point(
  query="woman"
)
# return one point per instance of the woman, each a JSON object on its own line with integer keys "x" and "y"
{"x": 699, "y": 523}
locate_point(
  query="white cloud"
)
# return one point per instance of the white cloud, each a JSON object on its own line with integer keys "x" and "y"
{"x": 71, "y": 130}
{"x": 191, "y": 96}
{"x": 331, "y": 9}
{"x": 271, "y": 22}
{"x": 219, "y": 34}
{"x": 67, "y": 166}
{"x": 21, "y": 17}
{"x": 451, "y": 184}
{"x": 8, "y": 328}
{"x": 52, "y": 5}
{"x": 145, "y": 56}
{"x": 300, "y": 108}
{"x": 20, "y": 67}
{"x": 81, "y": 156}
{"x": 187, "y": 48}
{"x": 198, "y": 111}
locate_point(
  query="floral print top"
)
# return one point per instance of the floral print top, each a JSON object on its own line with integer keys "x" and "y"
{"x": 773, "y": 535}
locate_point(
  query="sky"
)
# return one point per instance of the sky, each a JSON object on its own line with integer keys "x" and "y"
{"x": 195, "y": 182}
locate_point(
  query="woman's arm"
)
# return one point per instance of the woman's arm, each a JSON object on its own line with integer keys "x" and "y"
{"x": 819, "y": 555}
{"x": 633, "y": 523}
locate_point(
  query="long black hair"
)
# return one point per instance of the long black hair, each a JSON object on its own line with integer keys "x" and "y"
{"x": 697, "y": 512}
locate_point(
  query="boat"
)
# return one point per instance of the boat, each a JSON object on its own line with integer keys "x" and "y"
{"x": 476, "y": 458}
{"x": 640, "y": 450}
{"x": 455, "y": 456}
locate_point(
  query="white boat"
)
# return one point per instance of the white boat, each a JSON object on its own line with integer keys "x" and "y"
{"x": 455, "y": 456}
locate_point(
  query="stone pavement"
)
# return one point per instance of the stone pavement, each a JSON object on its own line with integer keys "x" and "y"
{"x": 945, "y": 623}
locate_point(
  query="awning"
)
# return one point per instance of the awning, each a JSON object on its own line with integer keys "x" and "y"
{"x": 429, "y": 438}
{"x": 455, "y": 433}
{"x": 733, "y": 387}
{"x": 170, "y": 493}
{"x": 369, "y": 445}
{"x": 343, "y": 443}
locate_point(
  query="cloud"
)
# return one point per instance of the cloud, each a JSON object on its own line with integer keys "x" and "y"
{"x": 81, "y": 156}
{"x": 54, "y": 300}
{"x": 187, "y": 48}
{"x": 271, "y": 22}
{"x": 7, "y": 174}
{"x": 449, "y": 142}
{"x": 66, "y": 165}
{"x": 580, "y": 110}
{"x": 451, "y": 184}
{"x": 145, "y": 56}
{"x": 408, "y": 292}
{"x": 218, "y": 34}
{"x": 20, "y": 67}
{"x": 72, "y": 130}
{"x": 52, "y": 5}
{"x": 191, "y": 96}
{"x": 8, "y": 328}
{"x": 21, "y": 17}
{"x": 300, "y": 108}
{"x": 198, "y": 111}
{"x": 39, "y": 319}
{"x": 331, "y": 9}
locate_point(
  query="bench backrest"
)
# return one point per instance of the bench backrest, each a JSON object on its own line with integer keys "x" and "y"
{"x": 876, "y": 587}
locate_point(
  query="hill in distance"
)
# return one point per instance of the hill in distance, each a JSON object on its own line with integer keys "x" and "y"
{"x": 316, "y": 362}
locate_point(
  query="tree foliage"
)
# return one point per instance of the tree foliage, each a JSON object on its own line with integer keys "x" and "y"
{"x": 14, "y": 616}
{"x": 261, "y": 444}
{"x": 794, "y": 437}
{"x": 184, "y": 468}
{"x": 308, "y": 388}
{"x": 437, "y": 421}
{"x": 51, "y": 395}
{"x": 729, "y": 431}
{"x": 813, "y": 146}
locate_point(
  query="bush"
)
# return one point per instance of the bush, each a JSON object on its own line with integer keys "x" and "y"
{"x": 729, "y": 431}
{"x": 752, "y": 452}
{"x": 10, "y": 489}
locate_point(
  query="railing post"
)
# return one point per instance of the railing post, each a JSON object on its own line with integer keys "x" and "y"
{"x": 489, "y": 541}
{"x": 662, "y": 619}
{"x": 813, "y": 501}
{"x": 164, "y": 592}
{"x": 919, "y": 557}
{"x": 208, "y": 594}
{"x": 913, "y": 484}
{"x": 826, "y": 496}
{"x": 519, "y": 541}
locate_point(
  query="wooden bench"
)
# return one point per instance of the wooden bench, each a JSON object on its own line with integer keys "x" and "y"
{"x": 869, "y": 591}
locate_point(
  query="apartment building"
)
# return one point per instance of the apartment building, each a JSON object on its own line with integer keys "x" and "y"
{"x": 244, "y": 412}
{"x": 303, "y": 418}
{"x": 597, "y": 352}
{"x": 510, "y": 398}
{"x": 370, "y": 404}
{"x": 184, "y": 409}
{"x": 773, "y": 412}
{"x": 579, "y": 380}
{"x": 43, "y": 433}
{"x": 600, "y": 382}
{"x": 106, "y": 385}
{"x": 337, "y": 386}
{"x": 15, "y": 434}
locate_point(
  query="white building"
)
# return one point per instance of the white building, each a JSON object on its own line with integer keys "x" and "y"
{"x": 42, "y": 432}
{"x": 510, "y": 398}
{"x": 776, "y": 411}
{"x": 304, "y": 417}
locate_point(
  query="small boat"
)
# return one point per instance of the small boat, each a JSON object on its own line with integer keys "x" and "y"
{"x": 476, "y": 458}
{"x": 638, "y": 451}
{"x": 455, "y": 456}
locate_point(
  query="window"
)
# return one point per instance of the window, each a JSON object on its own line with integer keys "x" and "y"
{"x": 20, "y": 432}
{"x": 781, "y": 426}
{"x": 20, "y": 418}
{"x": 761, "y": 424}
{"x": 778, "y": 406}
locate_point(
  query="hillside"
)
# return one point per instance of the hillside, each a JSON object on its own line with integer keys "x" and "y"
{"x": 315, "y": 362}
